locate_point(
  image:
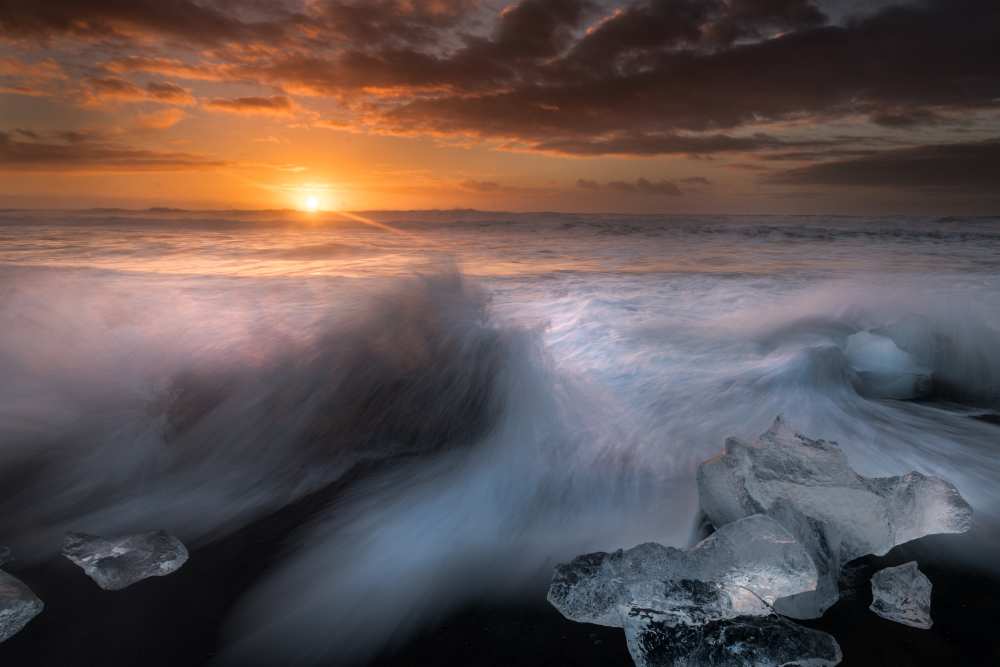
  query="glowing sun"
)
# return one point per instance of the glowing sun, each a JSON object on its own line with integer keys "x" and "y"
{"x": 311, "y": 203}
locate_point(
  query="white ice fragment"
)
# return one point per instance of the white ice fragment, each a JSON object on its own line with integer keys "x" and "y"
{"x": 118, "y": 562}
{"x": 903, "y": 594}
{"x": 884, "y": 370}
{"x": 822, "y": 541}
{"x": 808, "y": 487}
{"x": 709, "y": 605}
{"x": 748, "y": 564}
{"x": 18, "y": 605}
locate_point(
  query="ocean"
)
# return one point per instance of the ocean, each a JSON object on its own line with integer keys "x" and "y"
{"x": 455, "y": 401}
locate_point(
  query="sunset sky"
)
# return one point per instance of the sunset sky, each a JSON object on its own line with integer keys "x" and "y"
{"x": 729, "y": 106}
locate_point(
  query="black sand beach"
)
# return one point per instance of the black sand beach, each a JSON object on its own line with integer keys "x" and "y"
{"x": 179, "y": 620}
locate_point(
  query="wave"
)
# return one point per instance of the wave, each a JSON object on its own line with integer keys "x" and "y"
{"x": 121, "y": 427}
{"x": 133, "y": 408}
{"x": 490, "y": 445}
{"x": 572, "y": 466}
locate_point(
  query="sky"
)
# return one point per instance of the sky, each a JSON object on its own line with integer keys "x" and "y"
{"x": 645, "y": 106}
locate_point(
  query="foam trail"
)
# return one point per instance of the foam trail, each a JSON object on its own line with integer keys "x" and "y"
{"x": 552, "y": 478}
{"x": 213, "y": 373}
{"x": 141, "y": 431}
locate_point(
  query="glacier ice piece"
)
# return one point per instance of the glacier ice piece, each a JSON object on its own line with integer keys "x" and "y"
{"x": 18, "y": 605}
{"x": 808, "y": 487}
{"x": 118, "y": 562}
{"x": 822, "y": 541}
{"x": 754, "y": 559}
{"x": 711, "y": 602}
{"x": 884, "y": 370}
{"x": 903, "y": 594}
{"x": 762, "y": 641}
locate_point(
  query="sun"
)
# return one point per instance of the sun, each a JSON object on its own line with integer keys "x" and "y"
{"x": 311, "y": 203}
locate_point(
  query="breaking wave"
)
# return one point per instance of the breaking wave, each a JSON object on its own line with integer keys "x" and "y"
{"x": 494, "y": 436}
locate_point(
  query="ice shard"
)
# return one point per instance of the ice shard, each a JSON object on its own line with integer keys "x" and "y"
{"x": 763, "y": 641}
{"x": 752, "y": 560}
{"x": 711, "y": 602}
{"x": 809, "y": 488}
{"x": 903, "y": 594}
{"x": 18, "y": 605}
{"x": 118, "y": 562}
{"x": 883, "y": 370}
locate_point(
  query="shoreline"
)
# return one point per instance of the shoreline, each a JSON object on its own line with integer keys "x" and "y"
{"x": 178, "y": 620}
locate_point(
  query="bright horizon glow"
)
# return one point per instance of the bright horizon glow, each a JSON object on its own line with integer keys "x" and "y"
{"x": 312, "y": 203}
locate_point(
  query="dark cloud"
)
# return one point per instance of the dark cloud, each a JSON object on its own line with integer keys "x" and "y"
{"x": 168, "y": 92}
{"x": 80, "y": 151}
{"x": 819, "y": 155}
{"x": 696, "y": 180}
{"x": 640, "y": 186}
{"x": 973, "y": 166}
{"x": 631, "y": 74}
{"x": 905, "y": 118}
{"x": 759, "y": 18}
{"x": 567, "y": 77}
{"x": 98, "y": 90}
{"x": 185, "y": 20}
{"x": 747, "y": 166}
{"x": 277, "y": 105}
{"x": 658, "y": 144}
{"x": 397, "y": 23}
{"x": 538, "y": 28}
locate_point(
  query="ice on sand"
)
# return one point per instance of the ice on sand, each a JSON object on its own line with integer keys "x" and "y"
{"x": 809, "y": 488}
{"x": 763, "y": 641}
{"x": 903, "y": 594}
{"x": 118, "y": 562}
{"x": 18, "y": 604}
{"x": 709, "y": 603}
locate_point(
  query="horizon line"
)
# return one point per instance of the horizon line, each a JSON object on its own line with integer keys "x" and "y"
{"x": 173, "y": 209}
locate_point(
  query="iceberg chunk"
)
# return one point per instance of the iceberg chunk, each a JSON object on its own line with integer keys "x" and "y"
{"x": 762, "y": 641}
{"x": 710, "y": 604}
{"x": 884, "y": 370}
{"x": 119, "y": 562}
{"x": 808, "y": 487}
{"x": 822, "y": 541}
{"x": 750, "y": 563}
{"x": 18, "y": 605}
{"x": 903, "y": 594}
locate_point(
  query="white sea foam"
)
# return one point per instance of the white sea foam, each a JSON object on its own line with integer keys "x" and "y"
{"x": 539, "y": 386}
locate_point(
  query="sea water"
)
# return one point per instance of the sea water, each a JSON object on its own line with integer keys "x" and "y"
{"x": 522, "y": 388}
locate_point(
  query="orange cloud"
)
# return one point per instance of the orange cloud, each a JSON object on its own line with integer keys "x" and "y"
{"x": 204, "y": 71}
{"x": 26, "y": 78}
{"x": 160, "y": 120}
{"x": 87, "y": 152}
{"x": 277, "y": 105}
{"x": 100, "y": 90}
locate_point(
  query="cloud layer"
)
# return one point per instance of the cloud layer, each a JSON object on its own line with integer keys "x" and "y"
{"x": 579, "y": 78}
{"x": 25, "y": 150}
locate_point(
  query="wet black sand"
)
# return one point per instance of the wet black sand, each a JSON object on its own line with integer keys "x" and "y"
{"x": 177, "y": 620}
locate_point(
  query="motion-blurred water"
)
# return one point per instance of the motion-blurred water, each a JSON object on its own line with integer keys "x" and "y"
{"x": 536, "y": 386}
